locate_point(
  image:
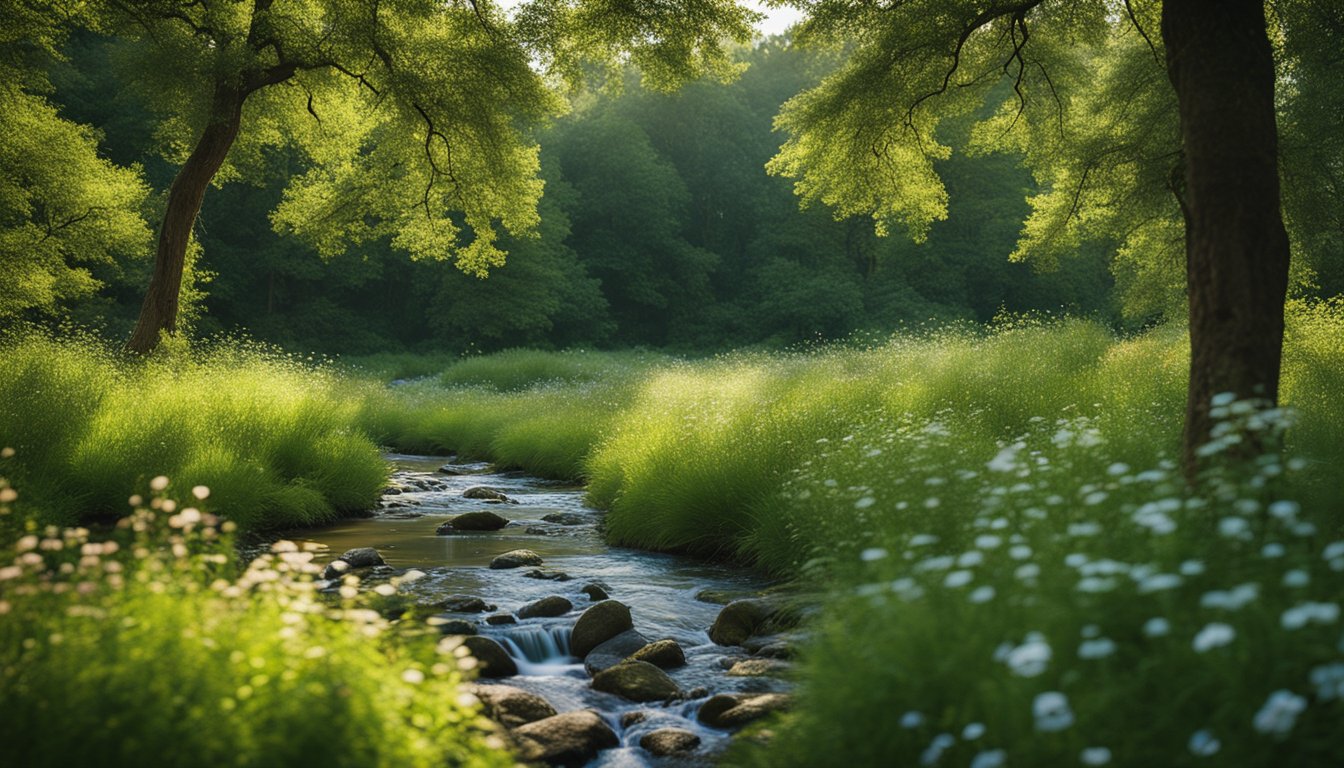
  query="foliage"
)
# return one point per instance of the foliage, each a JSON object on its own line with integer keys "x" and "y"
{"x": 64, "y": 209}
{"x": 150, "y": 641}
{"x": 272, "y": 435}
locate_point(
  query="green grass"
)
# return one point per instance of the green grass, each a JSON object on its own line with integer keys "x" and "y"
{"x": 274, "y": 438}
{"x": 150, "y": 647}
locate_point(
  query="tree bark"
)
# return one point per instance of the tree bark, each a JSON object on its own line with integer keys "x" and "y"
{"x": 1221, "y": 64}
{"x": 160, "y": 307}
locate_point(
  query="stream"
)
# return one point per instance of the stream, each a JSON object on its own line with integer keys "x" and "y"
{"x": 661, "y": 591}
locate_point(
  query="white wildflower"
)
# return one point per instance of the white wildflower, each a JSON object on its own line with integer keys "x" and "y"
{"x": 1213, "y": 635}
{"x": 1279, "y": 713}
{"x": 1052, "y": 712}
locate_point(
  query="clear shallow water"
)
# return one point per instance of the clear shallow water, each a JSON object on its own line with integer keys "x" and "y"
{"x": 660, "y": 590}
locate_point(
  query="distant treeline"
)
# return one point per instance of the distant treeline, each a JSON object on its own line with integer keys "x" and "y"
{"x": 659, "y": 227}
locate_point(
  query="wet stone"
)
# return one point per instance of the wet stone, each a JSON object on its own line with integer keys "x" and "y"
{"x": 460, "y": 604}
{"x": 494, "y": 661}
{"x": 499, "y": 619}
{"x": 453, "y": 626}
{"x": 473, "y": 522}
{"x": 637, "y": 681}
{"x": 565, "y": 518}
{"x": 547, "y": 575}
{"x": 599, "y": 624}
{"x": 670, "y": 741}
{"x": 510, "y": 706}
{"x": 595, "y": 592}
{"x": 516, "y": 559}
{"x": 612, "y": 652}
{"x": 483, "y": 493}
{"x": 361, "y": 557}
{"x": 634, "y": 717}
{"x": 759, "y": 668}
{"x": 551, "y": 606}
{"x": 734, "y": 710}
{"x": 472, "y": 468}
{"x": 665, "y": 654}
{"x": 571, "y": 738}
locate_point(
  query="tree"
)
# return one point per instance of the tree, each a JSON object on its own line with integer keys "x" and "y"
{"x": 413, "y": 112}
{"x": 864, "y": 142}
{"x": 63, "y": 208}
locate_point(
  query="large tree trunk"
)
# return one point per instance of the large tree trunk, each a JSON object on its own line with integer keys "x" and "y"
{"x": 1221, "y": 64}
{"x": 159, "y": 310}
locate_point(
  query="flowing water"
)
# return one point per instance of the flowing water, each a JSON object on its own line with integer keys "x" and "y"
{"x": 660, "y": 590}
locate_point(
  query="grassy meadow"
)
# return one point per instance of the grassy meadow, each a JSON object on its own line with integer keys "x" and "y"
{"x": 1012, "y": 568}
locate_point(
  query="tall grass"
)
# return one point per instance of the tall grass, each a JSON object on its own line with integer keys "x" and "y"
{"x": 276, "y": 439}
{"x": 150, "y": 647}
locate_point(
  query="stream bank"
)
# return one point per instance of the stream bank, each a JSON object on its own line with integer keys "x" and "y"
{"x": 568, "y": 612}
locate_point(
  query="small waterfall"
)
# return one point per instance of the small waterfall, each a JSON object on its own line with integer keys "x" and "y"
{"x": 538, "y": 650}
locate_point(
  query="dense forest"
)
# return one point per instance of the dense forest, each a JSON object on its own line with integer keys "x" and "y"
{"x": 594, "y": 382}
{"x": 659, "y": 227}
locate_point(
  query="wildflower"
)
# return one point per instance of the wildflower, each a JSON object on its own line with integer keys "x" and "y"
{"x": 970, "y": 559}
{"x": 1203, "y": 744}
{"x": 1095, "y": 585}
{"x": 158, "y": 484}
{"x": 1329, "y": 681}
{"x": 1213, "y": 635}
{"x": 972, "y": 731}
{"x": 1030, "y": 658}
{"x": 1099, "y": 648}
{"x": 413, "y": 676}
{"x": 912, "y": 719}
{"x": 1279, "y": 713}
{"x": 865, "y": 502}
{"x": 1117, "y": 469}
{"x": 923, "y": 540}
{"x": 988, "y": 541}
{"x": 1052, "y": 712}
{"x": 1094, "y": 498}
{"x": 1234, "y": 528}
{"x": 1006, "y": 459}
{"x": 957, "y": 579}
{"x": 981, "y": 594}
{"x": 1159, "y": 582}
{"x": 1296, "y": 578}
{"x": 1285, "y": 510}
{"x": 1019, "y": 552}
{"x": 872, "y": 553}
{"x": 1309, "y": 612}
{"x": 1095, "y": 756}
{"x": 990, "y": 758}
{"x": 1084, "y": 529}
{"x": 1156, "y": 627}
{"x": 1192, "y": 567}
{"x": 1027, "y": 571}
{"x": 1304, "y": 529}
{"x": 934, "y": 752}
{"x": 1272, "y": 550}
{"x": 1231, "y": 599}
